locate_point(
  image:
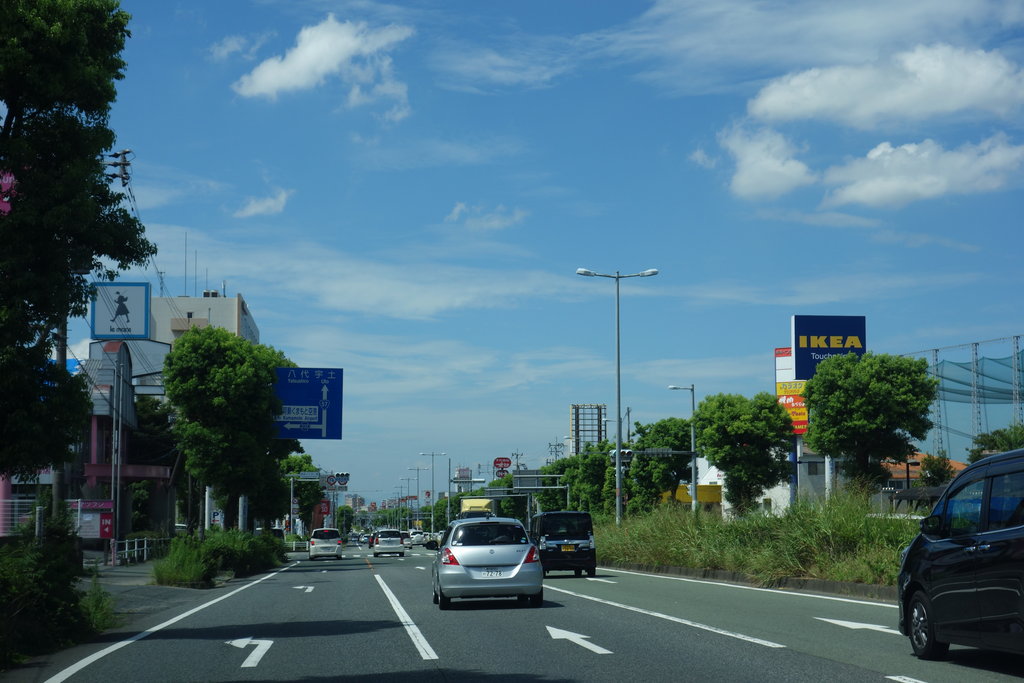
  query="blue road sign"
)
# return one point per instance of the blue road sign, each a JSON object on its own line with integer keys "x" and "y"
{"x": 310, "y": 403}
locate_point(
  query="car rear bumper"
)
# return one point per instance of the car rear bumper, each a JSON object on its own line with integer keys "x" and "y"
{"x": 456, "y": 583}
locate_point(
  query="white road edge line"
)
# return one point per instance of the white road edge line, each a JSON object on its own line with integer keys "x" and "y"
{"x": 667, "y": 617}
{"x": 903, "y": 679}
{"x": 81, "y": 664}
{"x": 426, "y": 652}
{"x": 753, "y": 588}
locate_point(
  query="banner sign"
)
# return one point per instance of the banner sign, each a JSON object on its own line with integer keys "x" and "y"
{"x": 818, "y": 337}
{"x": 790, "y": 396}
{"x": 120, "y": 310}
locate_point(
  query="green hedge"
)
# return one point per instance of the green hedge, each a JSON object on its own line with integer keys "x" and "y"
{"x": 194, "y": 563}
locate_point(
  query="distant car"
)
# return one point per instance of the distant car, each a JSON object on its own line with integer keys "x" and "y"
{"x": 364, "y": 538}
{"x": 325, "y": 542}
{"x": 566, "y": 541}
{"x": 418, "y": 538}
{"x": 486, "y": 557}
{"x": 407, "y": 539}
{"x": 960, "y": 579}
{"x": 372, "y": 540}
{"x": 389, "y": 542}
{"x": 277, "y": 533}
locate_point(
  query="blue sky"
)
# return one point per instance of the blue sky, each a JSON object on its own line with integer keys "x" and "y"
{"x": 406, "y": 190}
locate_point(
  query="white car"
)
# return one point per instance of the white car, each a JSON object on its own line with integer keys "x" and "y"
{"x": 418, "y": 538}
{"x": 389, "y": 542}
{"x": 325, "y": 542}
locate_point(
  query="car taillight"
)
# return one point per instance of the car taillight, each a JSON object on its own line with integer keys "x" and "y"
{"x": 532, "y": 556}
{"x": 339, "y": 541}
{"x": 312, "y": 542}
{"x": 543, "y": 542}
{"x": 448, "y": 557}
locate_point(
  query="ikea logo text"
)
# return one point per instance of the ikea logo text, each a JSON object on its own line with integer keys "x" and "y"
{"x": 824, "y": 341}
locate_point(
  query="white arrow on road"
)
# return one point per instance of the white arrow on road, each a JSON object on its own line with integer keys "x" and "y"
{"x": 577, "y": 638}
{"x": 856, "y": 625}
{"x": 309, "y": 589}
{"x": 254, "y": 657}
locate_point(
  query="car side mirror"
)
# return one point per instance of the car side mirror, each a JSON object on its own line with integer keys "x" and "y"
{"x": 430, "y": 545}
{"x": 931, "y": 525}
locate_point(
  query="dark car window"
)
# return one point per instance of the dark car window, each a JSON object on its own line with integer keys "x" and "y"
{"x": 390, "y": 534}
{"x": 962, "y": 515}
{"x": 566, "y": 525}
{"x": 490, "y": 534}
{"x": 1006, "y": 504}
{"x": 326, "y": 534}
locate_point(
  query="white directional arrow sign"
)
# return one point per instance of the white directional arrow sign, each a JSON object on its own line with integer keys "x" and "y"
{"x": 254, "y": 657}
{"x": 579, "y": 639}
{"x": 856, "y": 625}
{"x": 309, "y": 589}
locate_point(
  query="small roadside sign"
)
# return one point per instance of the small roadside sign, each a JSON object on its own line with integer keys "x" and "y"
{"x": 500, "y": 473}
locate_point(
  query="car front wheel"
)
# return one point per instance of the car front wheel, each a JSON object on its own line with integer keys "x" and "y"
{"x": 922, "y": 629}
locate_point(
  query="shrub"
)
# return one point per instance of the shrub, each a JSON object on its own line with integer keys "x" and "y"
{"x": 185, "y": 565}
{"x": 39, "y": 591}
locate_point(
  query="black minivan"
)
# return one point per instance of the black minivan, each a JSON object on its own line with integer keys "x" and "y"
{"x": 566, "y": 541}
{"x": 962, "y": 579}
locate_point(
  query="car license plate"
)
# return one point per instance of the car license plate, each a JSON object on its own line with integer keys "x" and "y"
{"x": 568, "y": 548}
{"x": 492, "y": 572}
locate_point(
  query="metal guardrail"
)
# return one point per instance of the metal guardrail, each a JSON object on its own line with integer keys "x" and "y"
{"x": 141, "y": 549}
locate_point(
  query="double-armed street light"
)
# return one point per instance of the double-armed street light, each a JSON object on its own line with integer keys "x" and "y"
{"x": 693, "y": 445}
{"x": 618, "y": 380}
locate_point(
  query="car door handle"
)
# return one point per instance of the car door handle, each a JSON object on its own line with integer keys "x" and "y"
{"x": 984, "y": 547}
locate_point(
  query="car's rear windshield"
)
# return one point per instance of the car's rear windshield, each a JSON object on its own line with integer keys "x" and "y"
{"x": 326, "y": 534}
{"x": 389, "y": 534}
{"x": 565, "y": 525}
{"x": 490, "y": 533}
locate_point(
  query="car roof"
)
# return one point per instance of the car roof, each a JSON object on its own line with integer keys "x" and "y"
{"x": 998, "y": 457}
{"x": 483, "y": 520}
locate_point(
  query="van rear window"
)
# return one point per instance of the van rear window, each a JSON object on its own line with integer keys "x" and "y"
{"x": 566, "y": 525}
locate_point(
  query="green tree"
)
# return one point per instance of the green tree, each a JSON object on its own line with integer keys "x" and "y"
{"x": 870, "y": 408}
{"x": 936, "y": 470}
{"x": 222, "y": 388}
{"x": 58, "y": 63}
{"x": 997, "y": 441}
{"x": 747, "y": 439}
{"x": 650, "y": 476}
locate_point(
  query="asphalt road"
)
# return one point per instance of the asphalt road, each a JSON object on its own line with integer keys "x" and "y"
{"x": 372, "y": 619}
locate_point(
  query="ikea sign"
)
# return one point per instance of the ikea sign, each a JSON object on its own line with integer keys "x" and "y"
{"x": 817, "y": 337}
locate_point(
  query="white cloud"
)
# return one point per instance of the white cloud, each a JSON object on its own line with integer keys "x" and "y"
{"x": 351, "y": 52}
{"x": 696, "y": 45}
{"x": 535, "y": 63}
{"x": 765, "y": 167}
{"x": 457, "y": 210}
{"x": 265, "y": 206}
{"x": 924, "y": 82}
{"x": 873, "y": 226}
{"x": 895, "y": 176}
{"x": 240, "y": 45}
{"x": 701, "y": 158}
{"x": 434, "y": 152}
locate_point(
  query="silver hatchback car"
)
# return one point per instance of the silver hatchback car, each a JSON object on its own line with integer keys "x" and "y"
{"x": 486, "y": 557}
{"x": 389, "y": 541}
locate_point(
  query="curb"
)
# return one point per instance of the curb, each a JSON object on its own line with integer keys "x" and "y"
{"x": 819, "y": 586}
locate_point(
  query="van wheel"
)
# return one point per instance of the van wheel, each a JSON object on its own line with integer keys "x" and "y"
{"x": 578, "y": 572}
{"x": 592, "y": 571}
{"x": 922, "y": 629}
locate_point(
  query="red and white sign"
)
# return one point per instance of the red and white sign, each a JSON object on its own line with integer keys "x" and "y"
{"x": 325, "y": 507}
{"x": 502, "y": 463}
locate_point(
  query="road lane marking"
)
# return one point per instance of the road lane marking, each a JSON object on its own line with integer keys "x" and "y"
{"x": 578, "y": 638}
{"x": 426, "y": 652}
{"x": 256, "y": 655}
{"x": 856, "y": 625}
{"x": 903, "y": 679}
{"x": 308, "y": 589}
{"x": 602, "y": 580}
{"x": 753, "y": 588}
{"x": 78, "y": 666}
{"x": 668, "y": 617}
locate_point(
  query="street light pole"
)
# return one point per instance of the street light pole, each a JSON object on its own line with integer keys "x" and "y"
{"x": 693, "y": 446}
{"x": 618, "y": 381}
{"x": 408, "y": 487}
{"x": 418, "y": 503}
{"x": 433, "y": 491}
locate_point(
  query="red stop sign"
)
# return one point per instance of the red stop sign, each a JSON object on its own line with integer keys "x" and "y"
{"x": 502, "y": 463}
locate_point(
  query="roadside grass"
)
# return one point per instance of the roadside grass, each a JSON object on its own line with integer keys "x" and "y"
{"x": 836, "y": 539}
{"x": 196, "y": 564}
